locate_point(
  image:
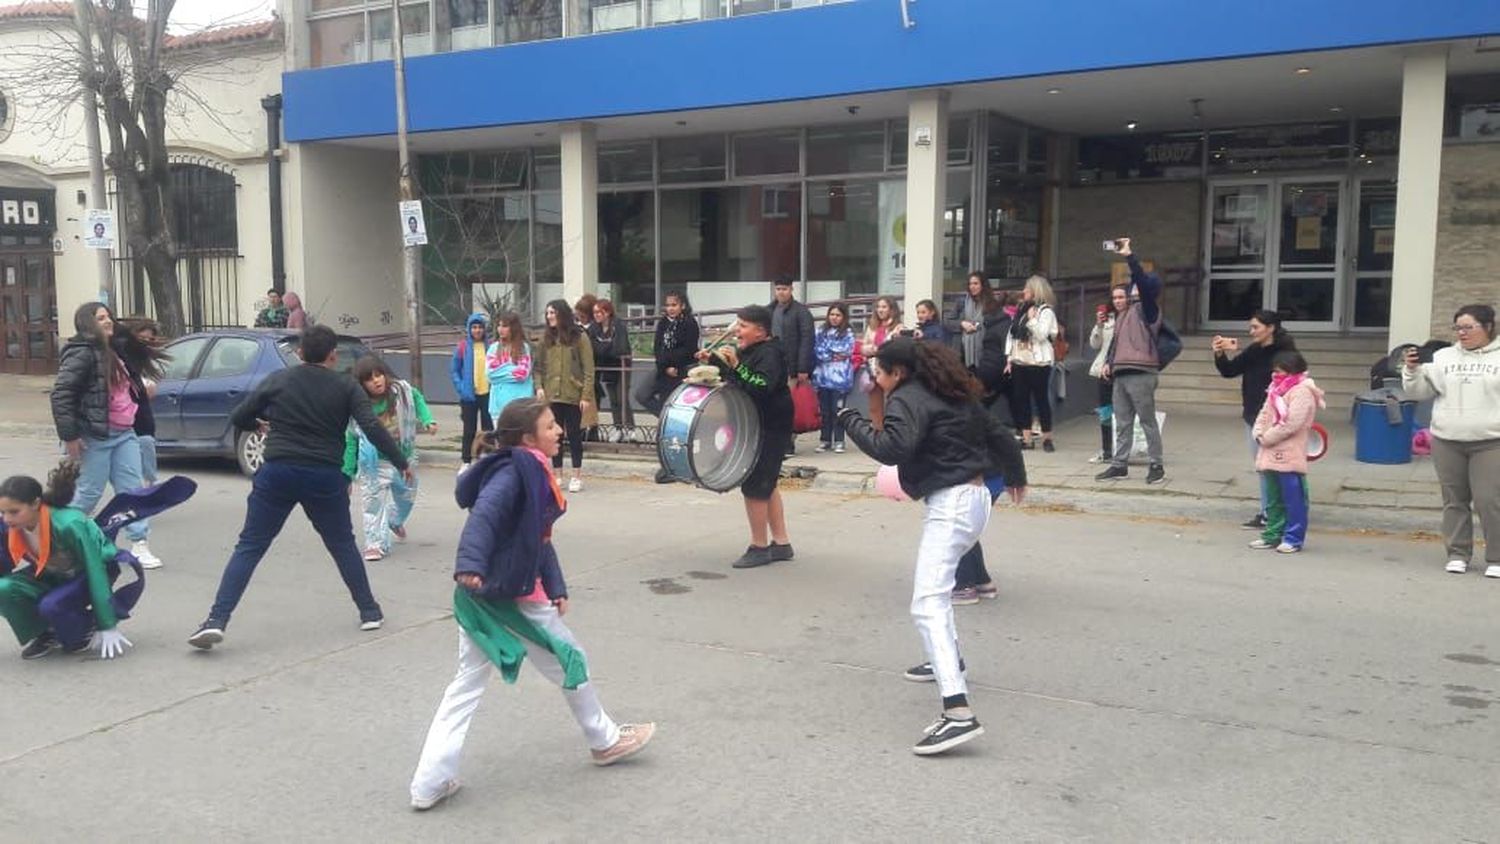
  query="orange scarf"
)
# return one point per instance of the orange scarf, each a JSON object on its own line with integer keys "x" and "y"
{"x": 17, "y": 542}
{"x": 557, "y": 493}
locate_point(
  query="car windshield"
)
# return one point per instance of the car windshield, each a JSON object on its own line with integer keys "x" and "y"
{"x": 350, "y": 350}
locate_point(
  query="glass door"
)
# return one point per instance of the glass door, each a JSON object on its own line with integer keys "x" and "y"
{"x": 1374, "y": 250}
{"x": 1309, "y": 254}
{"x": 1239, "y": 222}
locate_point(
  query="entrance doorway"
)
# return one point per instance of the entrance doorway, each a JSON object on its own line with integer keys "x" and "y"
{"x": 1277, "y": 243}
{"x": 28, "y": 313}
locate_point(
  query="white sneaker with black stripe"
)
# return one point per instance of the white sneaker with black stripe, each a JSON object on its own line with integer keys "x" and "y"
{"x": 947, "y": 733}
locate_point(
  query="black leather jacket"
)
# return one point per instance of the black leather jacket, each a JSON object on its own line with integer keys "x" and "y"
{"x": 80, "y": 395}
{"x": 936, "y": 443}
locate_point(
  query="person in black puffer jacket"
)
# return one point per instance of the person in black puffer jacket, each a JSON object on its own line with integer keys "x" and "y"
{"x": 1253, "y": 367}
{"x": 943, "y": 444}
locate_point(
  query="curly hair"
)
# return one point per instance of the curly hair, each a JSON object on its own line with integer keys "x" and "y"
{"x": 935, "y": 365}
{"x": 62, "y": 483}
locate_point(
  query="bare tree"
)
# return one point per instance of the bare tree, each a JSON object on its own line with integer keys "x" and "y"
{"x": 478, "y": 246}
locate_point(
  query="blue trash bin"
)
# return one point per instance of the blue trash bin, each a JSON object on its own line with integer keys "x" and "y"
{"x": 1384, "y": 421}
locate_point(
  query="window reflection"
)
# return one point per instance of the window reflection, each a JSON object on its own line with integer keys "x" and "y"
{"x": 527, "y": 20}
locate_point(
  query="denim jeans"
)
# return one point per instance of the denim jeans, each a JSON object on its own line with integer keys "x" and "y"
{"x": 148, "y": 459}
{"x": 323, "y": 492}
{"x": 830, "y": 402}
{"x": 115, "y": 460}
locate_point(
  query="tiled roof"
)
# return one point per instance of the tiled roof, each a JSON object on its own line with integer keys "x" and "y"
{"x": 267, "y": 30}
{"x": 36, "y": 11}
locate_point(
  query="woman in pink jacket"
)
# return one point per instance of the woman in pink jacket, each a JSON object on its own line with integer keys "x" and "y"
{"x": 1281, "y": 429}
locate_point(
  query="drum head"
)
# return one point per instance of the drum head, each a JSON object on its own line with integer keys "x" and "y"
{"x": 710, "y": 436}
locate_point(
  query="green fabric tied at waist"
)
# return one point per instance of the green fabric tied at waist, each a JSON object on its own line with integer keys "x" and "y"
{"x": 498, "y": 627}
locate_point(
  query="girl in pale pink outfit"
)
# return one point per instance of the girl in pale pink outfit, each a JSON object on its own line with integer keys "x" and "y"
{"x": 1281, "y": 430}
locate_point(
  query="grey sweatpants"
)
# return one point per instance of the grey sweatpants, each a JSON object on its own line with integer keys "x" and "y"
{"x": 1469, "y": 473}
{"x": 1135, "y": 395}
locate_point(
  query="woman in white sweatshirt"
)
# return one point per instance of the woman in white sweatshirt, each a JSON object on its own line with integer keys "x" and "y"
{"x": 1465, "y": 380}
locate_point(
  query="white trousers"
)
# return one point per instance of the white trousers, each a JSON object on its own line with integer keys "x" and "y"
{"x": 445, "y": 738}
{"x": 955, "y": 518}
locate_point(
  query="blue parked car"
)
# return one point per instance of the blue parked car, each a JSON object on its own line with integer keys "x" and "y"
{"x": 209, "y": 374}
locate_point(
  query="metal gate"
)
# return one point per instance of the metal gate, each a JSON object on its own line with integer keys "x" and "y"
{"x": 205, "y": 201}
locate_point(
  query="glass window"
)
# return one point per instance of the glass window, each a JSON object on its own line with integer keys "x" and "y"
{"x": 183, "y": 354}
{"x": 620, "y": 163}
{"x": 846, "y": 149}
{"x": 1170, "y": 155}
{"x": 844, "y": 242}
{"x": 1012, "y": 228}
{"x": 336, "y": 41}
{"x": 960, "y": 135}
{"x": 1377, "y": 225}
{"x": 678, "y": 11}
{"x": 478, "y": 250}
{"x": 956, "y": 228}
{"x": 462, "y": 24}
{"x": 1309, "y": 225}
{"x": 603, "y": 15}
{"x": 771, "y": 154}
{"x": 527, "y": 20}
{"x": 627, "y": 246}
{"x": 1036, "y": 151}
{"x": 229, "y": 357}
{"x": 416, "y": 21}
{"x": 1303, "y": 146}
{"x": 329, "y": 5}
{"x": 1004, "y": 152}
{"x": 748, "y": 233}
{"x": 698, "y": 159}
{"x": 547, "y": 248}
{"x": 548, "y": 168}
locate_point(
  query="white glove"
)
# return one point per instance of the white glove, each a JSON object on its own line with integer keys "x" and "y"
{"x": 110, "y": 643}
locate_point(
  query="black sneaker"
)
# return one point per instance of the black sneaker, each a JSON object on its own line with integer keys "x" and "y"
{"x": 1257, "y": 523}
{"x": 40, "y": 647}
{"x": 946, "y": 734}
{"x": 78, "y": 647}
{"x": 1112, "y": 473}
{"x": 1048, "y": 447}
{"x": 924, "y": 674}
{"x": 1157, "y": 474}
{"x": 754, "y": 557}
{"x": 210, "y": 633}
{"x": 781, "y": 553}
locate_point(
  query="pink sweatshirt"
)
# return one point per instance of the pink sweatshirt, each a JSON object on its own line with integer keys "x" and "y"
{"x": 1283, "y": 446}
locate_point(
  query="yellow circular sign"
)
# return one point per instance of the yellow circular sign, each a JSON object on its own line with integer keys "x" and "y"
{"x": 898, "y": 230}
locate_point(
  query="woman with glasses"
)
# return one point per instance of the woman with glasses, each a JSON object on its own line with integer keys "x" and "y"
{"x": 1464, "y": 379}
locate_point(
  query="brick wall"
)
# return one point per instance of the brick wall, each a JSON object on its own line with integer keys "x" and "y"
{"x": 1468, "y": 236}
{"x": 1161, "y": 217}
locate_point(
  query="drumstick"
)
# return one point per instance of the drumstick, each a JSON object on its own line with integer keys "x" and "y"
{"x": 721, "y": 340}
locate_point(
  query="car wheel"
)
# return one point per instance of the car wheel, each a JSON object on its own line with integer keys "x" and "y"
{"x": 250, "y": 451}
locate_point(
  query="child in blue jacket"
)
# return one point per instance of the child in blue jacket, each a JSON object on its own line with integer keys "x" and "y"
{"x": 511, "y": 598}
{"x": 837, "y": 356}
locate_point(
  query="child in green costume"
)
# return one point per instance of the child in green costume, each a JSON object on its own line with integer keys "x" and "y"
{"x": 388, "y": 498}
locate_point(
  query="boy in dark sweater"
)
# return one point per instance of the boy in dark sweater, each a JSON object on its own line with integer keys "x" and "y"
{"x": 758, "y": 366}
{"x": 305, "y": 411}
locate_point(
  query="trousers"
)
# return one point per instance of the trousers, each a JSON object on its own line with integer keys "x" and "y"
{"x": 570, "y": 417}
{"x": 1265, "y": 495}
{"x": 1135, "y": 396}
{"x": 475, "y": 416}
{"x": 323, "y": 493}
{"x": 1031, "y": 398}
{"x": 388, "y": 500}
{"x": 1469, "y": 473}
{"x": 954, "y": 519}
{"x": 830, "y": 402}
{"x": 1286, "y": 507}
{"x": 32, "y": 607}
{"x": 445, "y": 738}
{"x": 114, "y": 460}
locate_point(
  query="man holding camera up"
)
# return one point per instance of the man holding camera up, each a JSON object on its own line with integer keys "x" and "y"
{"x": 1133, "y": 363}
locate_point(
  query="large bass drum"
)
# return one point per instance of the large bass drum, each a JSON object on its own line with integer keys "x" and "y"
{"x": 709, "y": 436}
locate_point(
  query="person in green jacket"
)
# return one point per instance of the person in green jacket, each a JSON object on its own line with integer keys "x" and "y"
{"x": 388, "y": 497}
{"x": 56, "y": 585}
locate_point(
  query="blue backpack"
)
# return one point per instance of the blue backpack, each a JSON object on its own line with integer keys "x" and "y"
{"x": 1168, "y": 344}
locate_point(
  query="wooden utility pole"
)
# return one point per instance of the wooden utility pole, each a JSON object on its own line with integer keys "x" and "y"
{"x": 412, "y": 254}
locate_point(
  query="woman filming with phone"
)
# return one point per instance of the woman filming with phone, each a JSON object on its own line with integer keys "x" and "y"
{"x": 1252, "y": 366}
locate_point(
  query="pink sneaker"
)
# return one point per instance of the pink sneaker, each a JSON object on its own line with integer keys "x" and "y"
{"x": 633, "y": 739}
{"x": 374, "y": 555}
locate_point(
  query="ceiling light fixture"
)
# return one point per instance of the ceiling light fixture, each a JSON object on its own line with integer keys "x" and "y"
{"x": 1131, "y": 125}
{"x": 1336, "y": 109}
{"x": 1054, "y": 90}
{"x": 1303, "y": 71}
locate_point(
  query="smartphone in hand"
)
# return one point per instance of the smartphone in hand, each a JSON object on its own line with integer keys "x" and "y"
{"x": 1111, "y": 246}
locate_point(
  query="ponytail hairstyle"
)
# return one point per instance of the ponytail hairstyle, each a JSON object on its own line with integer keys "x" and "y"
{"x": 936, "y": 366}
{"x": 1272, "y": 320}
{"x": 518, "y": 419}
{"x": 62, "y": 483}
{"x": 87, "y": 328}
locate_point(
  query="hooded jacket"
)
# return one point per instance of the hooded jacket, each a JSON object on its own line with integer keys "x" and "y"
{"x": 466, "y": 356}
{"x": 80, "y": 395}
{"x": 511, "y": 512}
{"x": 1283, "y": 447}
{"x": 1466, "y": 385}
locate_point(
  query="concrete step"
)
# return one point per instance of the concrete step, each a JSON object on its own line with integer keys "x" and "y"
{"x": 1329, "y": 382}
{"x": 1317, "y": 359}
{"x": 1373, "y": 344}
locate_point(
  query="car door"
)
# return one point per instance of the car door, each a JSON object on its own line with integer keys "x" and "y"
{"x": 222, "y": 380}
{"x": 167, "y": 405}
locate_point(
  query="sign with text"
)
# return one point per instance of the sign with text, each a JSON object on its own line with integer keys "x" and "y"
{"x": 413, "y": 224}
{"x": 99, "y": 229}
{"x": 26, "y": 211}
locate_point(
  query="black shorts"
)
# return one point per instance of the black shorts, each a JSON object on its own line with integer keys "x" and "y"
{"x": 761, "y": 482}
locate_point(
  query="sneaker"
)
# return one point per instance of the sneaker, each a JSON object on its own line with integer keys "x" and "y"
{"x": 633, "y": 739}
{"x": 1048, "y": 447}
{"x": 210, "y": 633}
{"x": 422, "y": 804}
{"x": 1101, "y": 457}
{"x": 988, "y": 591}
{"x": 1261, "y": 545}
{"x": 664, "y": 477}
{"x": 1492, "y": 571}
{"x": 1458, "y": 566}
{"x": 399, "y": 531}
{"x": 1027, "y": 445}
{"x": 371, "y": 621}
{"x": 965, "y": 596}
{"x": 1112, "y": 473}
{"x": 781, "y": 553}
{"x": 838, "y": 448}
{"x": 822, "y": 447}
{"x": 78, "y": 647}
{"x": 40, "y": 647}
{"x": 575, "y": 485}
{"x": 923, "y": 673}
{"x": 142, "y": 553}
{"x": 947, "y": 733}
{"x": 374, "y": 555}
{"x": 1288, "y": 548}
{"x": 1256, "y": 523}
{"x": 754, "y": 557}
{"x": 1157, "y": 474}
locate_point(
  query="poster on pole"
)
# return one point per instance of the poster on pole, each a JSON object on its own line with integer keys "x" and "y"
{"x": 413, "y": 224}
{"x": 99, "y": 229}
{"x": 892, "y": 238}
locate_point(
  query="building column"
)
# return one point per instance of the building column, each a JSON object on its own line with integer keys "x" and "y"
{"x": 1419, "y": 167}
{"x": 926, "y": 195}
{"x": 580, "y": 210}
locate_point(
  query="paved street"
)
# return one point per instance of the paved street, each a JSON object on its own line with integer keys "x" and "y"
{"x": 1140, "y": 679}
